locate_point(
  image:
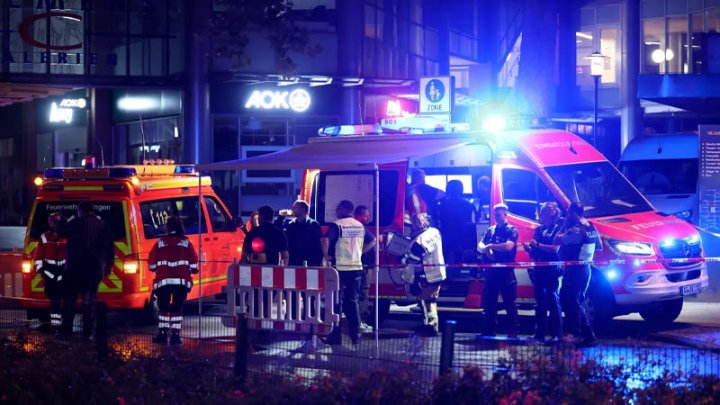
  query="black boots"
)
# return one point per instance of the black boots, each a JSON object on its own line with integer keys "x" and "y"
{"x": 162, "y": 337}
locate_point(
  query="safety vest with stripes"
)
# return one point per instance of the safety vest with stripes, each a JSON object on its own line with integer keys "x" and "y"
{"x": 348, "y": 248}
{"x": 50, "y": 256}
{"x": 173, "y": 259}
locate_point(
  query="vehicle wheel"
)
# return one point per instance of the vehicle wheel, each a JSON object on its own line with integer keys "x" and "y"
{"x": 383, "y": 311}
{"x": 599, "y": 304}
{"x": 665, "y": 312}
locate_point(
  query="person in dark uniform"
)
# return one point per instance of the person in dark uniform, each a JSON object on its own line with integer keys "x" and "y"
{"x": 265, "y": 243}
{"x": 499, "y": 245}
{"x": 578, "y": 240}
{"x": 90, "y": 257}
{"x": 456, "y": 213}
{"x": 546, "y": 279}
{"x": 303, "y": 236}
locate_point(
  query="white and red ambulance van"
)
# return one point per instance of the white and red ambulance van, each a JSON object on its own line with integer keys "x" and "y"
{"x": 649, "y": 263}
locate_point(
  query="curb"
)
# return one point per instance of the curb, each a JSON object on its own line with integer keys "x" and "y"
{"x": 685, "y": 342}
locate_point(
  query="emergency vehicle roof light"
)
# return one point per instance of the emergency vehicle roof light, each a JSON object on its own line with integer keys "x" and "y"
{"x": 122, "y": 172}
{"x": 53, "y": 173}
{"x": 184, "y": 169}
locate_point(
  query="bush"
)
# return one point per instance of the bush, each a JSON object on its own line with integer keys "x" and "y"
{"x": 34, "y": 371}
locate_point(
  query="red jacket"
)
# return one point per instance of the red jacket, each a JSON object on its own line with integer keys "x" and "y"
{"x": 173, "y": 259}
{"x": 50, "y": 255}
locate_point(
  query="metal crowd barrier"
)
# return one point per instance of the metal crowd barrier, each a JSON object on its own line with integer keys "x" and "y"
{"x": 291, "y": 299}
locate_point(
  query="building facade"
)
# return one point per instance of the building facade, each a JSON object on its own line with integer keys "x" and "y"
{"x": 128, "y": 81}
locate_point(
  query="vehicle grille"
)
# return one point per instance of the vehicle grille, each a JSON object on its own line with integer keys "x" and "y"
{"x": 681, "y": 250}
{"x": 683, "y": 276}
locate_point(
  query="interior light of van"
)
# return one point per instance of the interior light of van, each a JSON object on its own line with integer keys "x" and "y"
{"x": 38, "y": 181}
{"x": 26, "y": 266}
{"x": 130, "y": 267}
{"x": 631, "y": 248}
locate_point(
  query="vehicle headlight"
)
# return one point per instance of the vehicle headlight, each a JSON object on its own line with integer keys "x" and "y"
{"x": 686, "y": 215}
{"x": 631, "y": 248}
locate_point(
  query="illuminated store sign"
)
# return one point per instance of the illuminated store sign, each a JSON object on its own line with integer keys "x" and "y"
{"x": 65, "y": 45}
{"x": 63, "y": 111}
{"x": 297, "y": 100}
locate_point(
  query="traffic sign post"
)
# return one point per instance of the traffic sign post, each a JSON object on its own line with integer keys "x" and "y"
{"x": 437, "y": 95}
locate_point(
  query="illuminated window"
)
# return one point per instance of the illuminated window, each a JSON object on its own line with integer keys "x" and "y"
{"x": 609, "y": 47}
{"x": 653, "y": 44}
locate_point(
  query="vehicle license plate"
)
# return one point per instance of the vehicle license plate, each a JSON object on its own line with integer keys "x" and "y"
{"x": 690, "y": 289}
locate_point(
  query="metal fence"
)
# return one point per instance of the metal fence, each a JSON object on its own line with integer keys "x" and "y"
{"x": 280, "y": 355}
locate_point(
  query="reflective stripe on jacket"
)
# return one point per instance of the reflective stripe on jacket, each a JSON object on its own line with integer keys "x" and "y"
{"x": 50, "y": 255}
{"x": 173, "y": 259}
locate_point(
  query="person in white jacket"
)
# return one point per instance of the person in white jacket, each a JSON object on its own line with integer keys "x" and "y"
{"x": 425, "y": 268}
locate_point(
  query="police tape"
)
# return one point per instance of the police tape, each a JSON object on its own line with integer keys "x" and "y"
{"x": 566, "y": 263}
{"x": 557, "y": 263}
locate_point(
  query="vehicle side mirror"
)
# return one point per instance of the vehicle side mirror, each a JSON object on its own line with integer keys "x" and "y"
{"x": 239, "y": 223}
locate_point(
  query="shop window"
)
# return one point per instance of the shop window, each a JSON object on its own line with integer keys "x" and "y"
{"x": 152, "y": 139}
{"x": 261, "y": 176}
{"x": 712, "y": 20}
{"x": 609, "y": 47}
{"x": 584, "y": 45}
{"x": 676, "y": 53}
{"x": 653, "y": 46}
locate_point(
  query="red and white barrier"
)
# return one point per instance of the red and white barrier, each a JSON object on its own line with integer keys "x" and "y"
{"x": 289, "y": 299}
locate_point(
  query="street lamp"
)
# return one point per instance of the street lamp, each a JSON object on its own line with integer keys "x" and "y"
{"x": 597, "y": 67}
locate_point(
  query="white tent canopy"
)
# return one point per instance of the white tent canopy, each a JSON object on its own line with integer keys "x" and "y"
{"x": 346, "y": 154}
{"x": 355, "y": 153}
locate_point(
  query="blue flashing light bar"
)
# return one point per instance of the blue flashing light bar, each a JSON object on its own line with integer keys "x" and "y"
{"x": 116, "y": 172}
{"x": 123, "y": 172}
{"x": 53, "y": 173}
{"x": 184, "y": 169}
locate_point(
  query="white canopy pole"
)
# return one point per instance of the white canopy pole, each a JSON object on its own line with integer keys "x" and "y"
{"x": 377, "y": 258}
{"x": 200, "y": 261}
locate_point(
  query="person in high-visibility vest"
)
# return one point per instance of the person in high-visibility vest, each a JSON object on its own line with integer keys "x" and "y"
{"x": 174, "y": 260}
{"x": 50, "y": 263}
{"x": 342, "y": 247}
